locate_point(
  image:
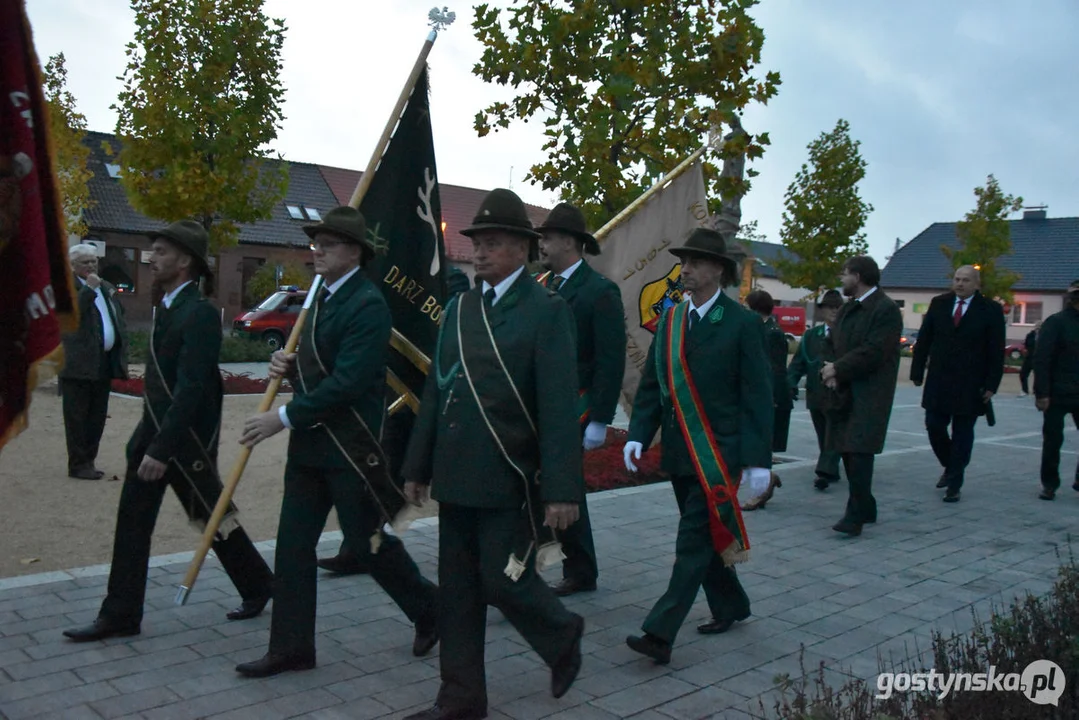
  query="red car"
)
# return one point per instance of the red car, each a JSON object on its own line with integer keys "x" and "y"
{"x": 273, "y": 319}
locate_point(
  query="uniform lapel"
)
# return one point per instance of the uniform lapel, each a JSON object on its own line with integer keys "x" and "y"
{"x": 576, "y": 281}
{"x": 524, "y": 284}
{"x": 709, "y": 324}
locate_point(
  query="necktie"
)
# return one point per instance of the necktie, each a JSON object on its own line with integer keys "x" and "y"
{"x": 556, "y": 282}
{"x": 694, "y": 316}
{"x": 958, "y": 315}
{"x": 489, "y": 297}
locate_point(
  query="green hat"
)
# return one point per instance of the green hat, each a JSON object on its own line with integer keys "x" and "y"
{"x": 830, "y": 299}
{"x": 346, "y": 223}
{"x": 707, "y": 243}
{"x": 502, "y": 210}
{"x": 568, "y": 219}
{"x": 191, "y": 237}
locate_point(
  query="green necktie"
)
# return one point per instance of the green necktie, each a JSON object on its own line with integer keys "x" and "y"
{"x": 556, "y": 282}
{"x": 489, "y": 297}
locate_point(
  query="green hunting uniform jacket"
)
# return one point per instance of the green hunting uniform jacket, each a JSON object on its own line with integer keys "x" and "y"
{"x": 725, "y": 352}
{"x": 351, "y": 331}
{"x": 601, "y": 339}
{"x": 187, "y": 344}
{"x": 813, "y": 351}
{"x": 451, "y": 447}
{"x": 866, "y": 343}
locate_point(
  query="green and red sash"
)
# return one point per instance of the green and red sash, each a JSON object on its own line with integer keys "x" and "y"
{"x": 729, "y": 535}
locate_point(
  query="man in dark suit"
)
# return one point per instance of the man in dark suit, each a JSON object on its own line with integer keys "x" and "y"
{"x": 175, "y": 443}
{"x": 601, "y": 362}
{"x": 93, "y": 355}
{"x": 866, "y": 347}
{"x": 497, "y": 445}
{"x": 1056, "y": 386}
{"x": 334, "y": 454}
{"x": 962, "y": 340}
{"x": 707, "y": 384}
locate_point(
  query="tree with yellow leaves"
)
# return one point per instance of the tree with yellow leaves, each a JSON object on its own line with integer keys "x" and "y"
{"x": 67, "y": 130}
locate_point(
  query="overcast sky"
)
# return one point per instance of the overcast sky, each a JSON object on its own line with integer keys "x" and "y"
{"x": 940, "y": 94}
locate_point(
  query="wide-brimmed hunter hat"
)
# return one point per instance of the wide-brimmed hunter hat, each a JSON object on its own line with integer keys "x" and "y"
{"x": 502, "y": 210}
{"x": 830, "y": 299}
{"x": 707, "y": 243}
{"x": 192, "y": 238}
{"x": 566, "y": 218}
{"x": 346, "y": 223}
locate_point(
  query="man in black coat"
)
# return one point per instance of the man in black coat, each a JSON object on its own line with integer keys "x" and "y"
{"x": 864, "y": 373}
{"x": 93, "y": 355}
{"x": 962, "y": 340}
{"x": 1056, "y": 386}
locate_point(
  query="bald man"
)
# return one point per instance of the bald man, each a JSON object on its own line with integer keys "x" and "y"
{"x": 962, "y": 340}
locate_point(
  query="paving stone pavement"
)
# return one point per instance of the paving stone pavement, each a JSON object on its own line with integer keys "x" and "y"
{"x": 847, "y": 601}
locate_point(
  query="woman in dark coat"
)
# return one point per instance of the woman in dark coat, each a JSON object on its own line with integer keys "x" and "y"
{"x": 775, "y": 345}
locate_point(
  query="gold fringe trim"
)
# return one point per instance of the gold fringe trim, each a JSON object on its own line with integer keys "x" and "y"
{"x": 44, "y": 369}
{"x": 734, "y": 555}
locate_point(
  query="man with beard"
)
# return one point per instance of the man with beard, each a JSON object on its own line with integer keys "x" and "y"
{"x": 707, "y": 383}
{"x": 601, "y": 362}
{"x": 962, "y": 341}
{"x": 864, "y": 373}
{"x": 175, "y": 443}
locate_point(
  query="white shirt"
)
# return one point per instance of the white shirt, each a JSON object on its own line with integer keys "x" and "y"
{"x": 703, "y": 308}
{"x": 170, "y": 296}
{"x": 502, "y": 287}
{"x": 871, "y": 291}
{"x": 565, "y": 274}
{"x": 966, "y": 305}
{"x": 108, "y": 332}
{"x": 330, "y": 290}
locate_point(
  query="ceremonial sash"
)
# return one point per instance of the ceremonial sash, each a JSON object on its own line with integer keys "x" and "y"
{"x": 584, "y": 404}
{"x": 729, "y": 536}
{"x": 351, "y": 435}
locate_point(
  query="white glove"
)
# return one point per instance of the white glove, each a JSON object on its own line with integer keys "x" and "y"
{"x": 632, "y": 449}
{"x": 756, "y": 479}
{"x": 595, "y": 435}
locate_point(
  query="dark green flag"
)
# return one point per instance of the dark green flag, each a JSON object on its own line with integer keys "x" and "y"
{"x": 404, "y": 222}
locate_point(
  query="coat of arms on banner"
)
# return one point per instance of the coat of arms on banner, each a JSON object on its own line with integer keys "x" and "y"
{"x": 659, "y": 295}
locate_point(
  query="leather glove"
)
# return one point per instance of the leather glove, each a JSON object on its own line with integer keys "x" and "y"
{"x": 595, "y": 435}
{"x": 632, "y": 450}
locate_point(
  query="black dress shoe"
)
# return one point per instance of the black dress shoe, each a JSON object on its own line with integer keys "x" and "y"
{"x": 343, "y": 564}
{"x": 101, "y": 629}
{"x": 849, "y": 527}
{"x": 822, "y": 483}
{"x": 943, "y": 482}
{"x": 656, "y": 648}
{"x": 271, "y": 664}
{"x": 441, "y": 713}
{"x": 248, "y": 609}
{"x": 426, "y": 638}
{"x": 1047, "y": 494}
{"x": 565, "y": 670}
{"x": 952, "y": 496}
{"x": 86, "y": 474}
{"x": 570, "y": 586}
{"x": 715, "y": 627}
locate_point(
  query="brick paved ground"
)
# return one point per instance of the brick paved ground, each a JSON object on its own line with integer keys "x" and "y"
{"x": 924, "y": 565}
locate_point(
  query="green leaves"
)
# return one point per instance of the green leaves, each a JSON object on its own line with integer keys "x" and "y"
{"x": 67, "y": 128}
{"x": 984, "y": 236}
{"x": 824, "y": 215}
{"x": 625, "y": 89}
{"x": 200, "y": 105}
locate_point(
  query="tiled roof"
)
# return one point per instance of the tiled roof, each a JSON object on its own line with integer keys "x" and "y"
{"x": 1046, "y": 256}
{"x": 459, "y": 205}
{"x": 113, "y": 212}
{"x": 765, "y": 254}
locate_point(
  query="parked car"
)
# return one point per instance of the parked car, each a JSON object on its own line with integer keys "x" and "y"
{"x": 908, "y": 338}
{"x": 792, "y": 321}
{"x": 272, "y": 320}
{"x": 1015, "y": 351}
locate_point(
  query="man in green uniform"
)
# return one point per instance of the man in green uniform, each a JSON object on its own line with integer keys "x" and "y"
{"x": 601, "y": 361}
{"x": 334, "y": 456}
{"x": 707, "y": 383}
{"x": 812, "y": 352}
{"x": 175, "y": 443}
{"x": 497, "y": 444}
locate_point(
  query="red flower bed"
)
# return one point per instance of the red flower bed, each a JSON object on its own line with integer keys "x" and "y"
{"x": 605, "y": 470}
{"x": 235, "y": 384}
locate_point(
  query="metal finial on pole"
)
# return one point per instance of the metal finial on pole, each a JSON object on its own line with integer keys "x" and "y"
{"x": 440, "y": 19}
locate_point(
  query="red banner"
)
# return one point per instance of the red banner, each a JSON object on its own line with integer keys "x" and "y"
{"x": 35, "y": 282}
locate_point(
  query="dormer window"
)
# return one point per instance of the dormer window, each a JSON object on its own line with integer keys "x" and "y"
{"x": 295, "y": 212}
{"x": 313, "y": 213}
{"x": 113, "y": 170}
{"x": 303, "y": 212}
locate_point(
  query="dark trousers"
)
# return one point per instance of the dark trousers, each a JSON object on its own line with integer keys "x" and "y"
{"x": 473, "y": 547}
{"x": 696, "y": 564}
{"x": 309, "y": 494}
{"x": 861, "y": 505}
{"x": 1052, "y": 439}
{"x": 953, "y": 452}
{"x": 579, "y": 547}
{"x": 140, "y": 502}
{"x": 86, "y": 406}
{"x": 828, "y": 460}
{"x": 781, "y": 427}
{"x": 1024, "y": 372}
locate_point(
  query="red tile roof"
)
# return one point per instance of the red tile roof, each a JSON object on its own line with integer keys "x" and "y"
{"x": 459, "y": 205}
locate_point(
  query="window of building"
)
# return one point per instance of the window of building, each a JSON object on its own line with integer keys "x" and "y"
{"x": 313, "y": 213}
{"x": 1026, "y": 313}
{"x": 113, "y": 170}
{"x": 295, "y": 212}
{"x": 120, "y": 266}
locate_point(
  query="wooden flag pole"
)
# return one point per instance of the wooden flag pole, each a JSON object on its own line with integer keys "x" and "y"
{"x": 223, "y": 502}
